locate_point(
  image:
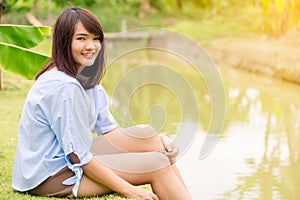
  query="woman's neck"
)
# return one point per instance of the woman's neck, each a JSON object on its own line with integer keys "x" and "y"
{"x": 54, "y": 69}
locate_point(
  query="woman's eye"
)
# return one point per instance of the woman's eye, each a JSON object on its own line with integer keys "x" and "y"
{"x": 97, "y": 38}
{"x": 80, "y": 38}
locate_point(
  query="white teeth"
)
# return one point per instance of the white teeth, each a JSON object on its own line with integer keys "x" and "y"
{"x": 88, "y": 54}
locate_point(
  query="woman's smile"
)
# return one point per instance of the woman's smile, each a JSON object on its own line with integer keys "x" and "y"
{"x": 88, "y": 55}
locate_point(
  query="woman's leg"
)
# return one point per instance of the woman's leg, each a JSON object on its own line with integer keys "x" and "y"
{"x": 164, "y": 181}
{"x": 176, "y": 171}
{"x": 140, "y": 138}
{"x": 89, "y": 188}
{"x": 135, "y": 165}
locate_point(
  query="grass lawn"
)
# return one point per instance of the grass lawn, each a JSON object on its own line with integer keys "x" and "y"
{"x": 11, "y": 103}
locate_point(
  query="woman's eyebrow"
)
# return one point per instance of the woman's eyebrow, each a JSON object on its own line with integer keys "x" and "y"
{"x": 85, "y": 34}
{"x": 82, "y": 34}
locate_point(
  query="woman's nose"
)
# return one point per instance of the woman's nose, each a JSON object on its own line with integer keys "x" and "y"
{"x": 90, "y": 45}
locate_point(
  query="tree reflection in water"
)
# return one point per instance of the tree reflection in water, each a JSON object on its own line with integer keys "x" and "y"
{"x": 276, "y": 174}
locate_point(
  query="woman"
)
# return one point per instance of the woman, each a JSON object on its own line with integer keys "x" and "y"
{"x": 56, "y": 154}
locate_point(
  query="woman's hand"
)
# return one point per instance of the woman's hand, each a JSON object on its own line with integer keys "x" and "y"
{"x": 170, "y": 150}
{"x": 141, "y": 194}
{"x": 167, "y": 142}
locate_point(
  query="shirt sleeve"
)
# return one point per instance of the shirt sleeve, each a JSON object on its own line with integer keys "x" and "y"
{"x": 105, "y": 121}
{"x": 70, "y": 123}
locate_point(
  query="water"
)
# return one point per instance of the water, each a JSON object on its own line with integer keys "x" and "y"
{"x": 257, "y": 154}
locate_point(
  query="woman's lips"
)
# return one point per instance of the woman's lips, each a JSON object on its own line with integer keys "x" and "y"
{"x": 88, "y": 55}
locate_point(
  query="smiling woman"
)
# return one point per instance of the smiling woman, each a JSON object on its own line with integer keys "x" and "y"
{"x": 85, "y": 46}
{"x": 77, "y": 28}
{"x": 64, "y": 106}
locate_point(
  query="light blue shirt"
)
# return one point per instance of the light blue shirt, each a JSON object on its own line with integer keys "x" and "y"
{"x": 58, "y": 118}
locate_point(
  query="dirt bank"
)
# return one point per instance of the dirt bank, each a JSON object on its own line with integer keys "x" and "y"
{"x": 278, "y": 58}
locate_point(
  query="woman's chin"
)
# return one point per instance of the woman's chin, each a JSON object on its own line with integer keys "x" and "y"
{"x": 88, "y": 62}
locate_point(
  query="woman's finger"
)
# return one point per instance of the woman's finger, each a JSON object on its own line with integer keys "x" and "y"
{"x": 167, "y": 142}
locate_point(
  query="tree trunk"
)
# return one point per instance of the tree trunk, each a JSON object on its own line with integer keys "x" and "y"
{"x": 1, "y": 6}
{"x": 144, "y": 9}
{"x": 35, "y": 6}
{"x": 178, "y": 4}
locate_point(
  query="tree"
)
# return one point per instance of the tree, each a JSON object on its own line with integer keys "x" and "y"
{"x": 144, "y": 9}
{"x": 279, "y": 15}
{"x": 1, "y": 7}
{"x": 16, "y": 54}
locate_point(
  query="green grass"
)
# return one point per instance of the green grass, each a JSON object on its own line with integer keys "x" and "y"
{"x": 11, "y": 102}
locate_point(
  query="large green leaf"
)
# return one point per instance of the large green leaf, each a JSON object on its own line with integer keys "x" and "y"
{"x": 20, "y": 60}
{"x": 22, "y": 35}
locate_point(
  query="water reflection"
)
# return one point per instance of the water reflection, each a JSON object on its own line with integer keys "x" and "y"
{"x": 153, "y": 90}
{"x": 258, "y": 155}
{"x": 273, "y": 110}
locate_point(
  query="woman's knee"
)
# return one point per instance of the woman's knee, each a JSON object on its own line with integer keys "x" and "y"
{"x": 139, "y": 138}
{"x": 142, "y": 131}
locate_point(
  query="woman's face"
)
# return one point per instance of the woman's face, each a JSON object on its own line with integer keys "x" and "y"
{"x": 85, "y": 46}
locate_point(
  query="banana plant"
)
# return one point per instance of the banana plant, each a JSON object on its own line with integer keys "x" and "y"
{"x": 17, "y": 53}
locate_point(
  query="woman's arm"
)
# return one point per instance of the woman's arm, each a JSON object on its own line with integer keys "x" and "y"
{"x": 105, "y": 176}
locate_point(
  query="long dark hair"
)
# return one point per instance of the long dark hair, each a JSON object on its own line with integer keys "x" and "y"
{"x": 62, "y": 57}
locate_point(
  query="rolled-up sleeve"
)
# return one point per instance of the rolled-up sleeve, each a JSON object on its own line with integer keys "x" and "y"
{"x": 71, "y": 124}
{"x": 105, "y": 121}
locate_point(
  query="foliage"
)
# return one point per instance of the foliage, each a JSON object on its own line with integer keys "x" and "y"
{"x": 23, "y": 36}
{"x": 279, "y": 15}
{"x": 276, "y": 16}
{"x": 15, "y": 52}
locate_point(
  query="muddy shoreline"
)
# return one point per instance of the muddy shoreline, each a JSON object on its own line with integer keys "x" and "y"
{"x": 278, "y": 58}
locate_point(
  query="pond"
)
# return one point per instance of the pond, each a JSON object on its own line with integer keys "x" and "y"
{"x": 256, "y": 155}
